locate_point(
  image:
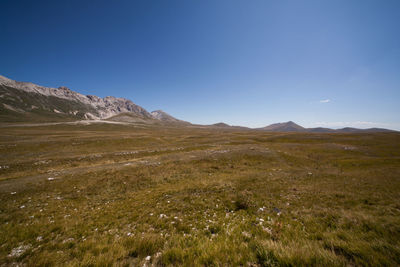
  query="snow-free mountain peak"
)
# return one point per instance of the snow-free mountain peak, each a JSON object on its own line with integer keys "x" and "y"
{"x": 289, "y": 126}
{"x": 163, "y": 116}
{"x": 43, "y": 101}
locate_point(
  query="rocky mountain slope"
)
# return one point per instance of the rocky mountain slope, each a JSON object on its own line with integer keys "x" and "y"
{"x": 163, "y": 116}
{"x": 21, "y": 101}
{"x": 28, "y": 102}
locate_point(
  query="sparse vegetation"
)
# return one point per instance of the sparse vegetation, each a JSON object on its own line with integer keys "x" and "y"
{"x": 20, "y": 106}
{"x": 167, "y": 196}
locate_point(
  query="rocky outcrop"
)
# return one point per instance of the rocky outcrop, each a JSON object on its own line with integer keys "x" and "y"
{"x": 104, "y": 107}
{"x": 163, "y": 116}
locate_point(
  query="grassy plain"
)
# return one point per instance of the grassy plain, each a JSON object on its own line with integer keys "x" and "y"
{"x": 104, "y": 195}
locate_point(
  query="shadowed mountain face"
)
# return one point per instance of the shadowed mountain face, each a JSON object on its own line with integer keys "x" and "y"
{"x": 20, "y": 106}
{"x": 24, "y": 101}
{"x": 92, "y": 107}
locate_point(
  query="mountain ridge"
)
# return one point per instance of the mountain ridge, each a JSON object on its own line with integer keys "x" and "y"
{"x": 290, "y": 126}
{"x": 26, "y": 101}
{"x": 74, "y": 104}
{"x": 164, "y": 116}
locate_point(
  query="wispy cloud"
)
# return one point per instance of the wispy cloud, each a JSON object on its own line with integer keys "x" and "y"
{"x": 325, "y": 101}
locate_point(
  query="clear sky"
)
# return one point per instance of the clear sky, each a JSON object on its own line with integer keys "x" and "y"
{"x": 318, "y": 63}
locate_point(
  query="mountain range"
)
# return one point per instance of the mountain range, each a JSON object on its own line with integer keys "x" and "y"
{"x": 290, "y": 126}
{"x": 28, "y": 102}
{"x": 24, "y": 101}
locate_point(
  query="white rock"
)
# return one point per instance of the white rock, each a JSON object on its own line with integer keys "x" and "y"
{"x": 18, "y": 251}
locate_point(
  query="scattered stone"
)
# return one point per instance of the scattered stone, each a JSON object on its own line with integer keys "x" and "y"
{"x": 42, "y": 162}
{"x": 268, "y": 230}
{"x": 262, "y": 209}
{"x": 68, "y": 240}
{"x": 158, "y": 255}
{"x": 246, "y": 234}
{"x": 126, "y": 153}
{"x": 18, "y": 251}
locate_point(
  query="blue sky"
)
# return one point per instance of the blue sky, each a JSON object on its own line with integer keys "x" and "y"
{"x": 318, "y": 63}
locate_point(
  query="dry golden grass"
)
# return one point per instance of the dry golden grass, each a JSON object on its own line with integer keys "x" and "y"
{"x": 197, "y": 197}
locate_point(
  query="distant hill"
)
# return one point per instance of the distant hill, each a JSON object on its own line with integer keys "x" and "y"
{"x": 165, "y": 117}
{"x": 320, "y": 130}
{"x": 134, "y": 118}
{"x": 28, "y": 102}
{"x": 293, "y": 127}
{"x": 369, "y": 130}
{"x": 130, "y": 118}
{"x": 220, "y": 124}
{"x": 289, "y": 126}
